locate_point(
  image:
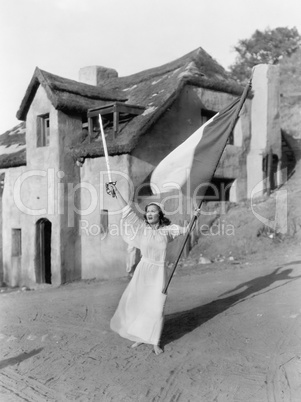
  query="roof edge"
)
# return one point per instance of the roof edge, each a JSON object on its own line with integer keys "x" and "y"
{"x": 29, "y": 96}
{"x": 54, "y": 85}
{"x": 16, "y": 159}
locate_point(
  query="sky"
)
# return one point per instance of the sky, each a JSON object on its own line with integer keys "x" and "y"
{"x": 61, "y": 36}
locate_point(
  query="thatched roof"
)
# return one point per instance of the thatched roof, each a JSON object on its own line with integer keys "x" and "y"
{"x": 156, "y": 89}
{"x": 13, "y": 147}
{"x": 67, "y": 95}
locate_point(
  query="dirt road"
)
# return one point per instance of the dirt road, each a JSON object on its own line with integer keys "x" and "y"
{"x": 232, "y": 333}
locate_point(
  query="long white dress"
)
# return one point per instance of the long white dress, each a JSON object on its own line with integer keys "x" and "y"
{"x": 139, "y": 315}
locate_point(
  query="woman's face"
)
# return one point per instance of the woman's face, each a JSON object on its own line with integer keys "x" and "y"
{"x": 152, "y": 214}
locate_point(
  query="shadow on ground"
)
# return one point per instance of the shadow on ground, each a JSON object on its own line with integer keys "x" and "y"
{"x": 19, "y": 359}
{"x": 179, "y": 324}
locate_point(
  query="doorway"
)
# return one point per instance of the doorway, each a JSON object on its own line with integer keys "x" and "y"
{"x": 270, "y": 167}
{"x": 43, "y": 251}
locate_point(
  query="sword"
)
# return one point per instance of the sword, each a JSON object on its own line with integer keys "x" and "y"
{"x": 112, "y": 193}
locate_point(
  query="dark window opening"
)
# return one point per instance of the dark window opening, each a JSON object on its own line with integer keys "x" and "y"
{"x": 16, "y": 243}
{"x": 43, "y": 251}
{"x": 104, "y": 221}
{"x": 114, "y": 118}
{"x": 43, "y": 130}
{"x": 84, "y": 135}
{"x": 84, "y": 121}
{"x": 270, "y": 167}
{"x": 288, "y": 159}
{"x": 206, "y": 115}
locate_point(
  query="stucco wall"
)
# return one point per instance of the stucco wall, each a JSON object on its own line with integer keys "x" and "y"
{"x": 30, "y": 193}
{"x": 24, "y": 203}
{"x": 46, "y": 189}
{"x": 69, "y": 127}
{"x": 265, "y": 109}
{"x": 103, "y": 255}
{"x": 265, "y": 125}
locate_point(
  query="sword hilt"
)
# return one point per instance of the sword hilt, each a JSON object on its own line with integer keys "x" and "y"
{"x": 112, "y": 193}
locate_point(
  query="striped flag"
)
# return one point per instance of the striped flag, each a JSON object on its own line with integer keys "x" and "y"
{"x": 191, "y": 165}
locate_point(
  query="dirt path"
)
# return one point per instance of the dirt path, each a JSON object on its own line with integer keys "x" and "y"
{"x": 232, "y": 333}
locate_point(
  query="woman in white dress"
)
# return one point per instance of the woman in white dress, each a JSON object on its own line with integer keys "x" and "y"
{"x": 139, "y": 315}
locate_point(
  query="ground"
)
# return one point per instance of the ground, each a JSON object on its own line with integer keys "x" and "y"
{"x": 232, "y": 333}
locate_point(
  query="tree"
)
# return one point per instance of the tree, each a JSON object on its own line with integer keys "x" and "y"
{"x": 267, "y": 47}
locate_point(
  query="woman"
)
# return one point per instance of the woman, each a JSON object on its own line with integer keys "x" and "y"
{"x": 139, "y": 315}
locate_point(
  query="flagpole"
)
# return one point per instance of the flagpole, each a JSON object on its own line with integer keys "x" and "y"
{"x": 105, "y": 149}
{"x": 194, "y": 218}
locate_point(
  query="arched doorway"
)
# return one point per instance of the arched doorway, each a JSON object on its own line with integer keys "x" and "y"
{"x": 43, "y": 251}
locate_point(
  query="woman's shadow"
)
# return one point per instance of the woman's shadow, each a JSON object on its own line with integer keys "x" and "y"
{"x": 19, "y": 359}
{"x": 178, "y": 324}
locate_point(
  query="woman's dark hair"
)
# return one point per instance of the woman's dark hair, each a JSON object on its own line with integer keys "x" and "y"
{"x": 163, "y": 221}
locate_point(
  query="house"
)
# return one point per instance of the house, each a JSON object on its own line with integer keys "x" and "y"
{"x": 58, "y": 222}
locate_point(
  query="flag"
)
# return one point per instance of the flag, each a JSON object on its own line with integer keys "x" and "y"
{"x": 191, "y": 165}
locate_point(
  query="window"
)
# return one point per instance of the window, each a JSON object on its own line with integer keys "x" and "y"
{"x": 114, "y": 117}
{"x": 206, "y": 115}
{"x": 43, "y": 130}
{"x": 104, "y": 221}
{"x": 16, "y": 243}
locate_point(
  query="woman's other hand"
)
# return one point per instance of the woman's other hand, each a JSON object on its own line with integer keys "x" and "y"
{"x": 197, "y": 212}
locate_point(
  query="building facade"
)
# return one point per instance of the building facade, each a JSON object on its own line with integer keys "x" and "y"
{"x": 58, "y": 222}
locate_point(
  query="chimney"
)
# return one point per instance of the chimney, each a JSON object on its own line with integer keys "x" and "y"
{"x": 95, "y": 75}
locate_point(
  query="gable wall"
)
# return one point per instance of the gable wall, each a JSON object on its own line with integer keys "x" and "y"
{"x": 30, "y": 193}
{"x": 40, "y": 190}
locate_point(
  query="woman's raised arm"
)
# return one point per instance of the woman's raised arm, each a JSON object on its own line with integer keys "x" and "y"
{"x": 132, "y": 225}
